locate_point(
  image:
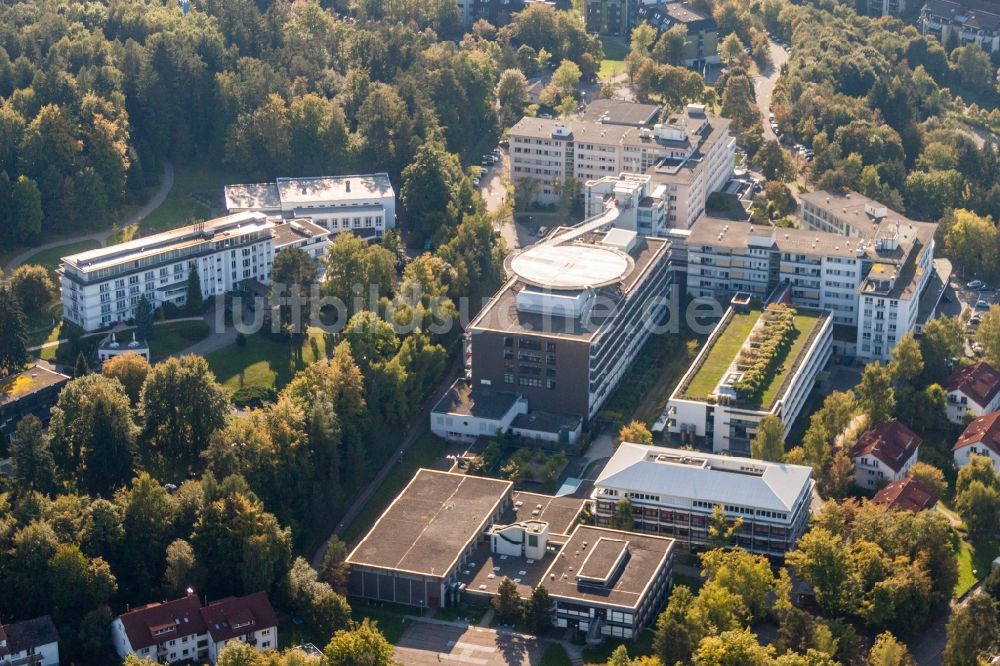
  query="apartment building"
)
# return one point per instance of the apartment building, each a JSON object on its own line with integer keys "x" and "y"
{"x": 673, "y": 493}
{"x": 702, "y": 45}
{"x": 884, "y": 454}
{"x": 102, "y": 287}
{"x": 183, "y": 630}
{"x": 610, "y": 17}
{"x": 362, "y": 204}
{"x": 961, "y": 23}
{"x": 887, "y": 7}
{"x": 853, "y": 257}
{"x": 690, "y": 155}
{"x": 499, "y": 12}
{"x": 973, "y": 390}
{"x": 32, "y": 642}
{"x": 713, "y": 406}
{"x": 576, "y": 311}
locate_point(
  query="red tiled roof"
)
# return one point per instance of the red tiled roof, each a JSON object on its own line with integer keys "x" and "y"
{"x": 985, "y": 430}
{"x": 980, "y": 382}
{"x": 908, "y": 493}
{"x": 892, "y": 443}
{"x": 236, "y": 616}
{"x": 180, "y": 617}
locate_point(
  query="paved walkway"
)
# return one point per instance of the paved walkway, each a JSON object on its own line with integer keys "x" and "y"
{"x": 166, "y": 184}
{"x": 119, "y": 329}
{"x": 764, "y": 85}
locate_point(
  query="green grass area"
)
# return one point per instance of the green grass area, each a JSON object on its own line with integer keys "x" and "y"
{"x": 555, "y": 655}
{"x": 641, "y": 647}
{"x": 390, "y": 617}
{"x": 50, "y": 257}
{"x": 721, "y": 355}
{"x": 194, "y": 185}
{"x": 424, "y": 452}
{"x": 170, "y": 338}
{"x": 292, "y": 635}
{"x": 265, "y": 362}
{"x": 614, "y": 58}
{"x": 974, "y": 561}
{"x": 464, "y": 613}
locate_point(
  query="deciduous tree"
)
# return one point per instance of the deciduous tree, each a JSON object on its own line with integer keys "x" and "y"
{"x": 769, "y": 442}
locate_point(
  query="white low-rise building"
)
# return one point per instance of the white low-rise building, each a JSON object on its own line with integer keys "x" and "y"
{"x": 102, "y": 287}
{"x": 711, "y": 405}
{"x": 673, "y": 492}
{"x": 980, "y": 438}
{"x": 32, "y": 642}
{"x": 362, "y": 204}
{"x": 884, "y": 454}
{"x": 972, "y": 391}
{"x": 642, "y": 204}
{"x": 183, "y": 630}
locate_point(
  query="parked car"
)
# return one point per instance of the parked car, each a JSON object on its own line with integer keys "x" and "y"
{"x": 975, "y": 320}
{"x": 982, "y": 304}
{"x": 542, "y": 231}
{"x": 975, "y": 284}
{"x": 977, "y": 348}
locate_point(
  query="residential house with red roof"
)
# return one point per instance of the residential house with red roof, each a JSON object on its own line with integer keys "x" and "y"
{"x": 32, "y": 642}
{"x": 907, "y": 494}
{"x": 184, "y": 630}
{"x": 884, "y": 454}
{"x": 982, "y": 438}
{"x": 974, "y": 389}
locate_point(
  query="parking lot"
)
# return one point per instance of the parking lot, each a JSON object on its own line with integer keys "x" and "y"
{"x": 426, "y": 644}
{"x": 973, "y": 299}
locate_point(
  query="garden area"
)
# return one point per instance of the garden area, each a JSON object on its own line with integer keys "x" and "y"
{"x": 264, "y": 361}
{"x": 614, "y": 57}
{"x": 974, "y": 561}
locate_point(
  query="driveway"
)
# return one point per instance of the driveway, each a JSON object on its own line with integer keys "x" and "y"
{"x": 166, "y": 184}
{"x": 764, "y": 85}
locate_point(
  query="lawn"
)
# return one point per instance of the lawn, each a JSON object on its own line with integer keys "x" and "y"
{"x": 170, "y": 338}
{"x": 555, "y": 655}
{"x": 614, "y": 58}
{"x": 424, "y": 452}
{"x": 265, "y": 362}
{"x": 721, "y": 355}
{"x": 196, "y": 195}
{"x": 974, "y": 561}
{"x": 390, "y": 617}
{"x": 804, "y": 324}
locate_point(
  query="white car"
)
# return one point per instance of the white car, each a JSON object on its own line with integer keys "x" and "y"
{"x": 977, "y": 348}
{"x": 982, "y": 305}
{"x": 975, "y": 284}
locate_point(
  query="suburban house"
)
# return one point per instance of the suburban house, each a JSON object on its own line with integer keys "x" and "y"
{"x": 33, "y": 391}
{"x": 972, "y": 390}
{"x": 33, "y": 642}
{"x": 981, "y": 438}
{"x": 909, "y": 494}
{"x": 884, "y": 454}
{"x": 183, "y": 630}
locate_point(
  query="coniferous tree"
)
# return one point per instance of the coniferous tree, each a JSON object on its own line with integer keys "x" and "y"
{"x": 108, "y": 458}
{"x": 34, "y": 467}
{"x": 195, "y": 300}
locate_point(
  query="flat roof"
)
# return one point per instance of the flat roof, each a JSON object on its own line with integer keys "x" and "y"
{"x": 432, "y": 521}
{"x": 210, "y": 231}
{"x": 561, "y": 513}
{"x": 502, "y": 313}
{"x": 571, "y": 266}
{"x": 293, "y": 231}
{"x": 629, "y": 561}
{"x": 32, "y": 380}
{"x": 619, "y": 112}
{"x": 708, "y": 477}
{"x": 304, "y": 191}
{"x": 478, "y": 402}
{"x": 723, "y": 348}
{"x": 539, "y": 421}
{"x": 485, "y": 570}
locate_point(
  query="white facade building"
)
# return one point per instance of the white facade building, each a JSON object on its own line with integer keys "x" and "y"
{"x": 183, "y": 630}
{"x": 708, "y": 409}
{"x": 642, "y": 204}
{"x": 32, "y": 642}
{"x": 102, "y": 287}
{"x": 690, "y": 155}
{"x": 362, "y": 204}
{"x": 980, "y": 438}
{"x": 673, "y": 493}
{"x": 973, "y": 390}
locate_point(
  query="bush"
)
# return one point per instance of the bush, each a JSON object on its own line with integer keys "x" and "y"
{"x": 254, "y": 396}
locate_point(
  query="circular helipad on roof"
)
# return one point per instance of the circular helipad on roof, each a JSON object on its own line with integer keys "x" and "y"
{"x": 571, "y": 266}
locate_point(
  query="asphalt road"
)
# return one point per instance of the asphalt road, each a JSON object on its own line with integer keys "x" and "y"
{"x": 764, "y": 86}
